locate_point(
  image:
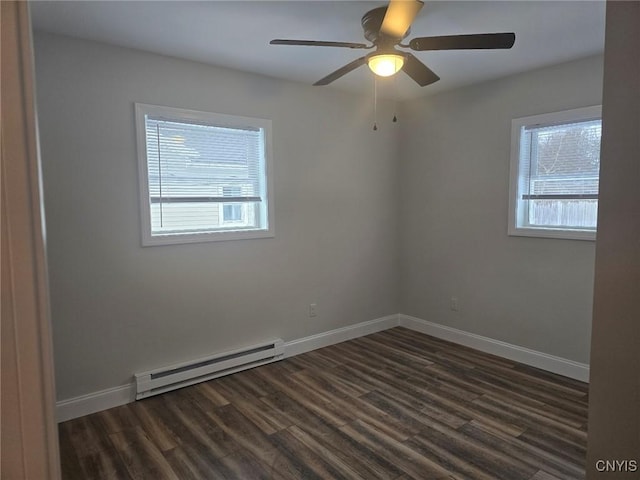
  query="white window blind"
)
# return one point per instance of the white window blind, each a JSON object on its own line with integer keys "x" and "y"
{"x": 205, "y": 174}
{"x": 557, "y": 162}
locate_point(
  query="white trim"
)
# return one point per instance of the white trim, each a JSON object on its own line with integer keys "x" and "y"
{"x": 95, "y": 402}
{"x": 325, "y": 339}
{"x": 544, "y": 361}
{"x": 205, "y": 237}
{"x": 114, "y": 397}
{"x": 567, "y": 234}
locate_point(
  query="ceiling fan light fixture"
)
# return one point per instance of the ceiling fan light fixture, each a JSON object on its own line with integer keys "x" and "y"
{"x": 386, "y": 64}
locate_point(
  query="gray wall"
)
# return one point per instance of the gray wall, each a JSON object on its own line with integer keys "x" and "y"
{"x": 119, "y": 308}
{"x": 454, "y": 177}
{"x": 367, "y": 224}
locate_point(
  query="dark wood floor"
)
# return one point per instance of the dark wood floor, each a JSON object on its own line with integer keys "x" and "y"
{"x": 393, "y": 405}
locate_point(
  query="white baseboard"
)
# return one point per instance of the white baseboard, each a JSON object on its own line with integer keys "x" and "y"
{"x": 324, "y": 339}
{"x": 95, "y": 402}
{"x": 114, "y": 397}
{"x": 544, "y": 361}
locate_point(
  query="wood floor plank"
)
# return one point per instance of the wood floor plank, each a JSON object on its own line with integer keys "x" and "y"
{"x": 241, "y": 464}
{"x": 408, "y": 460}
{"x": 434, "y": 347}
{"x": 469, "y": 383}
{"x": 96, "y": 456}
{"x": 542, "y": 475}
{"x": 538, "y": 383}
{"x": 399, "y": 355}
{"x": 403, "y": 411}
{"x": 313, "y": 361}
{"x": 266, "y": 418}
{"x": 559, "y": 379}
{"x": 305, "y": 412}
{"x": 351, "y": 465}
{"x": 323, "y": 402}
{"x": 69, "y": 459}
{"x": 208, "y": 390}
{"x": 552, "y": 443}
{"x": 464, "y": 410}
{"x": 325, "y": 382}
{"x": 360, "y": 373}
{"x": 410, "y": 339}
{"x": 359, "y": 408}
{"x": 117, "y": 419}
{"x": 394, "y": 405}
{"x": 371, "y": 463}
{"x": 153, "y": 425}
{"x": 451, "y": 461}
{"x": 531, "y": 416}
{"x": 189, "y": 464}
{"x": 244, "y": 433}
{"x": 550, "y": 461}
{"x": 185, "y": 424}
{"x": 495, "y": 463}
{"x": 491, "y": 380}
{"x": 304, "y": 462}
{"x": 197, "y": 427}
{"x": 141, "y": 457}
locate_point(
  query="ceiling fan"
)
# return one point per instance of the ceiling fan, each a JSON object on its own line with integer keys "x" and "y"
{"x": 385, "y": 28}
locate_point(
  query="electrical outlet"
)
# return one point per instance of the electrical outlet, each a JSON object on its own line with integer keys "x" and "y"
{"x": 454, "y": 304}
{"x": 313, "y": 309}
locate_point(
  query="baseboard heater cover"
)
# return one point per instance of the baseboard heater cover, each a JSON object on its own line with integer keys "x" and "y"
{"x": 184, "y": 374}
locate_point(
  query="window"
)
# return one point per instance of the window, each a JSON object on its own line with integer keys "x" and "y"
{"x": 203, "y": 176}
{"x": 555, "y": 161}
{"x": 232, "y": 212}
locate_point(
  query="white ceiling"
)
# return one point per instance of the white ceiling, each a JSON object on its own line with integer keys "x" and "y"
{"x": 236, "y": 34}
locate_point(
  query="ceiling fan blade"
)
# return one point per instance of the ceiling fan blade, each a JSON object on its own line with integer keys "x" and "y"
{"x": 399, "y": 17}
{"x": 342, "y": 71}
{"x": 464, "y": 42}
{"x": 418, "y": 71}
{"x": 314, "y": 43}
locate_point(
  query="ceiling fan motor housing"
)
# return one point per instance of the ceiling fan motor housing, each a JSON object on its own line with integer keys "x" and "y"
{"x": 371, "y": 23}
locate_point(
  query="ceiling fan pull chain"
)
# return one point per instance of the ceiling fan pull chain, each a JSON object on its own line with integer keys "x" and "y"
{"x": 375, "y": 102}
{"x": 395, "y": 98}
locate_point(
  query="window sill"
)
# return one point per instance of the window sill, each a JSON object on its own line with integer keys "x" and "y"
{"x": 183, "y": 238}
{"x": 552, "y": 233}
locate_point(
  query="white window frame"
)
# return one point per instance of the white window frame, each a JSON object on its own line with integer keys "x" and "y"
{"x": 220, "y": 120}
{"x": 567, "y": 116}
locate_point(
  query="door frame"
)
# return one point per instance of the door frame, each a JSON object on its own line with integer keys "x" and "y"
{"x": 29, "y": 436}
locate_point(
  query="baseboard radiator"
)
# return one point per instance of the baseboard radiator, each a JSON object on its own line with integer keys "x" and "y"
{"x": 189, "y": 373}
